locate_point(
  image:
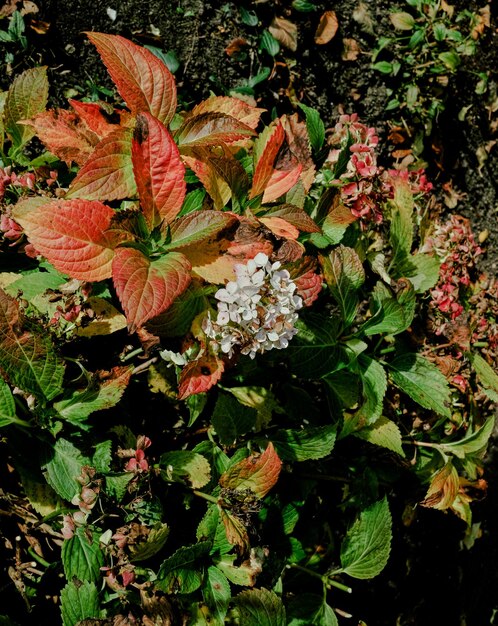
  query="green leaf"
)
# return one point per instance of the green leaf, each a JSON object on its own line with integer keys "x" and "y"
{"x": 79, "y": 602}
{"x": 181, "y": 572}
{"x": 389, "y": 317}
{"x": 422, "y": 381}
{"x": 102, "y": 457}
{"x": 269, "y": 43}
{"x": 156, "y": 539}
{"x": 310, "y": 608}
{"x": 314, "y": 352}
{"x": 77, "y": 406}
{"x": 304, "y": 445}
{"x": 422, "y": 270}
{"x": 82, "y": 557}
{"x": 168, "y": 58}
{"x": 401, "y": 233}
{"x": 485, "y": 374}
{"x": 28, "y": 358}
{"x": 36, "y": 283}
{"x": 116, "y": 485}
{"x": 64, "y": 467}
{"x": 249, "y": 18}
{"x": 366, "y": 547}
{"x": 450, "y": 59}
{"x": 402, "y": 20}
{"x": 26, "y": 98}
{"x": 344, "y": 274}
{"x": 304, "y": 6}
{"x": 383, "y": 66}
{"x": 383, "y": 433}
{"x": 231, "y": 419}
{"x": 7, "y": 405}
{"x": 186, "y": 467}
{"x": 315, "y": 127}
{"x": 260, "y": 607}
{"x": 217, "y": 593}
{"x": 473, "y": 443}
{"x": 259, "y": 398}
{"x": 193, "y": 201}
{"x": 218, "y": 460}
{"x": 246, "y": 573}
{"x": 212, "y": 529}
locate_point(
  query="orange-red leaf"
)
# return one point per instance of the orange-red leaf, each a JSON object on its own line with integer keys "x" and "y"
{"x": 280, "y": 227}
{"x": 148, "y": 287}
{"x": 239, "y": 109}
{"x": 308, "y": 280}
{"x": 158, "y": 169}
{"x": 297, "y": 138}
{"x": 199, "y": 376}
{"x": 199, "y": 227}
{"x": 327, "y": 28}
{"x": 91, "y": 114}
{"x": 295, "y": 216}
{"x": 280, "y": 182}
{"x": 211, "y": 129}
{"x": 66, "y": 135}
{"x": 73, "y": 235}
{"x": 108, "y": 173}
{"x": 235, "y": 531}
{"x": 259, "y": 473}
{"x": 143, "y": 81}
{"x": 266, "y": 148}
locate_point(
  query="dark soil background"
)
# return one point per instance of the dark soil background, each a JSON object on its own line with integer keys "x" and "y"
{"x": 431, "y": 578}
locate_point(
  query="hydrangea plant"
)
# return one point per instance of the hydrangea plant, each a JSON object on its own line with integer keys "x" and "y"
{"x": 207, "y": 326}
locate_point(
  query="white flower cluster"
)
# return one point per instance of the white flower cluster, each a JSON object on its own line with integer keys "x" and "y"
{"x": 256, "y": 312}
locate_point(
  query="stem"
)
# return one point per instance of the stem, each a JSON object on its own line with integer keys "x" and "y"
{"x": 387, "y": 350}
{"x": 38, "y": 558}
{"x": 132, "y": 354}
{"x": 206, "y": 496}
{"x": 324, "y": 578}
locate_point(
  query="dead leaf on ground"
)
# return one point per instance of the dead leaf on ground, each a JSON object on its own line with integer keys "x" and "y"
{"x": 483, "y": 21}
{"x": 285, "y": 32}
{"x": 327, "y": 28}
{"x": 351, "y": 50}
{"x": 236, "y": 45}
{"x": 28, "y": 8}
{"x": 362, "y": 15}
{"x": 39, "y": 26}
{"x": 447, "y": 8}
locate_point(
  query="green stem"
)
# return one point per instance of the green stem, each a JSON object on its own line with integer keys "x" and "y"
{"x": 206, "y": 496}
{"x": 326, "y": 580}
{"x": 38, "y": 558}
{"x": 387, "y": 350}
{"x": 132, "y": 354}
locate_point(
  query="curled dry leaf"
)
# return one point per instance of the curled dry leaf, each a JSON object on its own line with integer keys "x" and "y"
{"x": 236, "y": 45}
{"x": 327, "y": 28}
{"x": 285, "y": 32}
{"x": 351, "y": 49}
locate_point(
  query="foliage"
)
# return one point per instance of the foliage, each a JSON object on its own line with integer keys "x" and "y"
{"x": 257, "y": 313}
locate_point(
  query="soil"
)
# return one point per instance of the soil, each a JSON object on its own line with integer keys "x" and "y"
{"x": 431, "y": 573}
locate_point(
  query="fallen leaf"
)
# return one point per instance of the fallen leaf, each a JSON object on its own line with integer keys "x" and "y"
{"x": 351, "y": 50}
{"x": 236, "y": 45}
{"x": 285, "y": 32}
{"x": 362, "y": 15}
{"x": 327, "y": 28}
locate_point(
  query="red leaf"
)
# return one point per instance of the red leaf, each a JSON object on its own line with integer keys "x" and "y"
{"x": 308, "y": 281}
{"x": 259, "y": 473}
{"x": 73, "y": 235}
{"x": 297, "y": 138}
{"x": 199, "y": 376}
{"x": 295, "y": 216}
{"x": 91, "y": 114}
{"x": 143, "y": 81}
{"x": 159, "y": 172}
{"x": 235, "y": 531}
{"x": 147, "y": 287}
{"x": 280, "y": 227}
{"x": 266, "y": 148}
{"x": 211, "y": 129}
{"x": 215, "y": 185}
{"x": 239, "y": 109}
{"x": 108, "y": 173}
{"x": 280, "y": 182}
{"x": 66, "y": 135}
